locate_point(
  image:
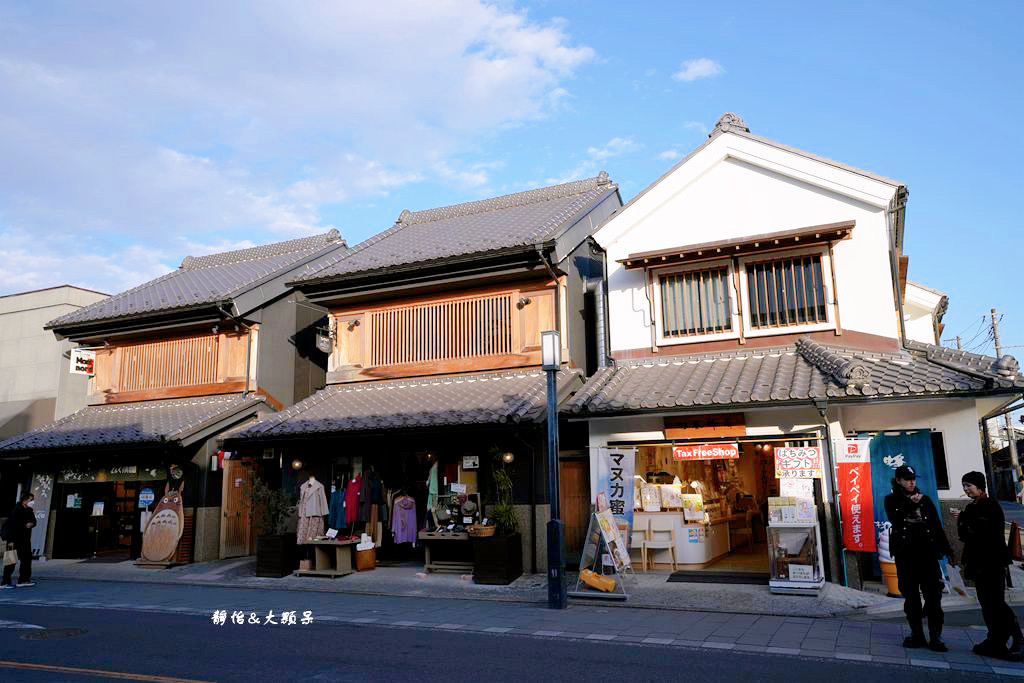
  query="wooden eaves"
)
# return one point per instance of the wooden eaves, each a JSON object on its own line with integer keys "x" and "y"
{"x": 815, "y": 234}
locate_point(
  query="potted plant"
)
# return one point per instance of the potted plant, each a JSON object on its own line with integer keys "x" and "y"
{"x": 276, "y": 551}
{"x": 498, "y": 559}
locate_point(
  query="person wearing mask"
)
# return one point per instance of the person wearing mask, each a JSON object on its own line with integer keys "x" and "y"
{"x": 985, "y": 558}
{"x": 18, "y": 530}
{"x": 917, "y": 542}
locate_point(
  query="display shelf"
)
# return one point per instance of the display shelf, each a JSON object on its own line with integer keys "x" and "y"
{"x": 331, "y": 559}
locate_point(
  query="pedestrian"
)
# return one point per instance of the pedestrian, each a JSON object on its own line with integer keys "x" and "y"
{"x": 985, "y": 559}
{"x": 917, "y": 542}
{"x": 18, "y": 530}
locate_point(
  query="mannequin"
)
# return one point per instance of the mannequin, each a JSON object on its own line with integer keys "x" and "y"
{"x": 312, "y": 508}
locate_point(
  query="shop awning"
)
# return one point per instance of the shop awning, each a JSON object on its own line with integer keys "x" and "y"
{"x": 172, "y": 422}
{"x": 805, "y": 371}
{"x": 483, "y": 398}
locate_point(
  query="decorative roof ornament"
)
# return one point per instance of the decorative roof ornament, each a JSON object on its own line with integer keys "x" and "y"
{"x": 1007, "y": 366}
{"x": 405, "y": 216}
{"x": 846, "y": 371}
{"x": 186, "y": 262}
{"x": 602, "y": 178}
{"x": 729, "y": 122}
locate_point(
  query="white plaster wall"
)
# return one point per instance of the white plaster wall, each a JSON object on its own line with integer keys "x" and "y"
{"x": 919, "y": 327}
{"x": 956, "y": 419}
{"x": 736, "y": 187}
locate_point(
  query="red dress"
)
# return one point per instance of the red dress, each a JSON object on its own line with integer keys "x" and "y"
{"x": 352, "y": 499}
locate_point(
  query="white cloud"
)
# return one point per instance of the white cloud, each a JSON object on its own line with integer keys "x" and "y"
{"x": 692, "y": 69}
{"x": 157, "y": 125}
{"x": 589, "y": 166}
{"x": 615, "y": 147}
{"x": 695, "y": 126}
{"x": 670, "y": 155}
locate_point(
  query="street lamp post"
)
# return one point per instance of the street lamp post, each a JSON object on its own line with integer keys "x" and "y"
{"x": 551, "y": 361}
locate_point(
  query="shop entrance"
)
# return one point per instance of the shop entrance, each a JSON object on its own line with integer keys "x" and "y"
{"x": 703, "y": 509}
{"x": 236, "y": 522}
{"x": 114, "y": 533}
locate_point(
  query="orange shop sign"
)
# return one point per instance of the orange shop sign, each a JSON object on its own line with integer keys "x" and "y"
{"x": 705, "y": 451}
{"x": 802, "y": 462}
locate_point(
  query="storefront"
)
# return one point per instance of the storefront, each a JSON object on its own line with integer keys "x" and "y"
{"x": 705, "y": 506}
{"x": 102, "y": 474}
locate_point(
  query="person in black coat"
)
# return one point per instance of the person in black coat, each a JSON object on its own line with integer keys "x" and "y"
{"x": 917, "y": 542}
{"x": 985, "y": 558}
{"x": 18, "y": 530}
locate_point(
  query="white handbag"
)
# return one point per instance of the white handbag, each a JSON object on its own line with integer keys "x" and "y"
{"x": 10, "y": 555}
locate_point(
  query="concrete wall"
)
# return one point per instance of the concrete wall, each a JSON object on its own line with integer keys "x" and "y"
{"x": 32, "y": 365}
{"x": 207, "y": 535}
{"x": 736, "y": 187}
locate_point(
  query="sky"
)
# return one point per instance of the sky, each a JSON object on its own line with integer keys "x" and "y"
{"x": 133, "y": 134}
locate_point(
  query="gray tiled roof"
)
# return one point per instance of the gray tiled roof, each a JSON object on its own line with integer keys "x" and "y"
{"x": 205, "y": 280}
{"x": 483, "y": 398}
{"x": 143, "y": 422}
{"x": 807, "y": 370}
{"x": 508, "y": 222}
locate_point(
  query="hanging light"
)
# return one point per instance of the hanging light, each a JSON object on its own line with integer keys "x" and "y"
{"x": 296, "y": 464}
{"x": 508, "y": 456}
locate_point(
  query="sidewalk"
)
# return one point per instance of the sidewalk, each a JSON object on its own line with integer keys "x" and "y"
{"x": 702, "y": 634}
{"x": 651, "y": 590}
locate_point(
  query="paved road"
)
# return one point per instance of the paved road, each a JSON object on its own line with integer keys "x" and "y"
{"x": 190, "y": 647}
{"x": 168, "y": 630}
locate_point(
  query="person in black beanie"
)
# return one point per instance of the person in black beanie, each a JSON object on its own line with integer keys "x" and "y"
{"x": 917, "y": 542}
{"x": 985, "y": 559}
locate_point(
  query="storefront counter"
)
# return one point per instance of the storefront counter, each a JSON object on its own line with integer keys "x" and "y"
{"x": 696, "y": 543}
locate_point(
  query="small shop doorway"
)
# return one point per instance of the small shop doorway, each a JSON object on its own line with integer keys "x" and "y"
{"x": 98, "y": 518}
{"x": 574, "y": 486}
{"x": 711, "y": 506}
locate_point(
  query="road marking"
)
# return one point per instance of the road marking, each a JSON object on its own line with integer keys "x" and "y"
{"x": 121, "y": 675}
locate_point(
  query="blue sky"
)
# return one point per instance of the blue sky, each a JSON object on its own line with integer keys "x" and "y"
{"x": 131, "y": 135}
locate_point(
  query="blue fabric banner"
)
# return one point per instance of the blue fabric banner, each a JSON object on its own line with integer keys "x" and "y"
{"x": 889, "y": 450}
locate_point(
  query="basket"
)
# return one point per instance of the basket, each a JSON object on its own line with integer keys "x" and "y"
{"x": 481, "y": 531}
{"x": 366, "y": 559}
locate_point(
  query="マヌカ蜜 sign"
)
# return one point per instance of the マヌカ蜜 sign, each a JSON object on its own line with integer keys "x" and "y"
{"x": 800, "y": 462}
{"x": 704, "y": 451}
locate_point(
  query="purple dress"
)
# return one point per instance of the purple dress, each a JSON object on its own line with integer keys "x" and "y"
{"x": 403, "y": 521}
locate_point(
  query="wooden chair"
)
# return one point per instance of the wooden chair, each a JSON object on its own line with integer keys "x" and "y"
{"x": 739, "y": 532}
{"x": 661, "y": 524}
{"x": 638, "y": 541}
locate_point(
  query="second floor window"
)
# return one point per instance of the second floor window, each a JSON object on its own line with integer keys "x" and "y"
{"x": 786, "y": 292}
{"x": 695, "y": 302}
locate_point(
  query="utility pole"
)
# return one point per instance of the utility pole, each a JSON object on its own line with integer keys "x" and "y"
{"x": 958, "y": 347}
{"x": 1010, "y": 434}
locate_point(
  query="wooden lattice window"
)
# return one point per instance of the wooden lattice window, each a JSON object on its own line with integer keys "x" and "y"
{"x": 442, "y": 330}
{"x": 695, "y": 302}
{"x": 786, "y": 292}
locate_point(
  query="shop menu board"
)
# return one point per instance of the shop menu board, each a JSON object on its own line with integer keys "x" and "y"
{"x": 787, "y": 510}
{"x": 650, "y": 498}
{"x": 693, "y": 507}
{"x": 613, "y": 540}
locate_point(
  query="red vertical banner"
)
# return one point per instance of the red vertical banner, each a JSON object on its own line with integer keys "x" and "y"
{"x": 855, "y": 499}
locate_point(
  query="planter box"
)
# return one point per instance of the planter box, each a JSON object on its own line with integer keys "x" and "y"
{"x": 276, "y": 556}
{"x": 497, "y": 560}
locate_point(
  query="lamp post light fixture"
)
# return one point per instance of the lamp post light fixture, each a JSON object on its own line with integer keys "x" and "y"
{"x": 551, "y": 361}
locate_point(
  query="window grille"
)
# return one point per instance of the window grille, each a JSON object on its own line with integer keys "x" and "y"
{"x": 695, "y": 302}
{"x": 786, "y": 292}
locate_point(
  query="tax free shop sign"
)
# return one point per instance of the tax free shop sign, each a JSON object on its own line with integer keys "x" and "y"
{"x": 703, "y": 451}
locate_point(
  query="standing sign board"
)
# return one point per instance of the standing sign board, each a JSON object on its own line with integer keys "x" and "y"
{"x": 802, "y": 462}
{"x": 42, "y": 489}
{"x": 855, "y": 497}
{"x": 615, "y": 468}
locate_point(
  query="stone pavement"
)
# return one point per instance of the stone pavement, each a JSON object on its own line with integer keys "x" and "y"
{"x": 709, "y": 632}
{"x": 650, "y": 590}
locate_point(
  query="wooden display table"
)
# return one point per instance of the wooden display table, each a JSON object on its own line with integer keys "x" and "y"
{"x": 331, "y": 558}
{"x": 461, "y": 549}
